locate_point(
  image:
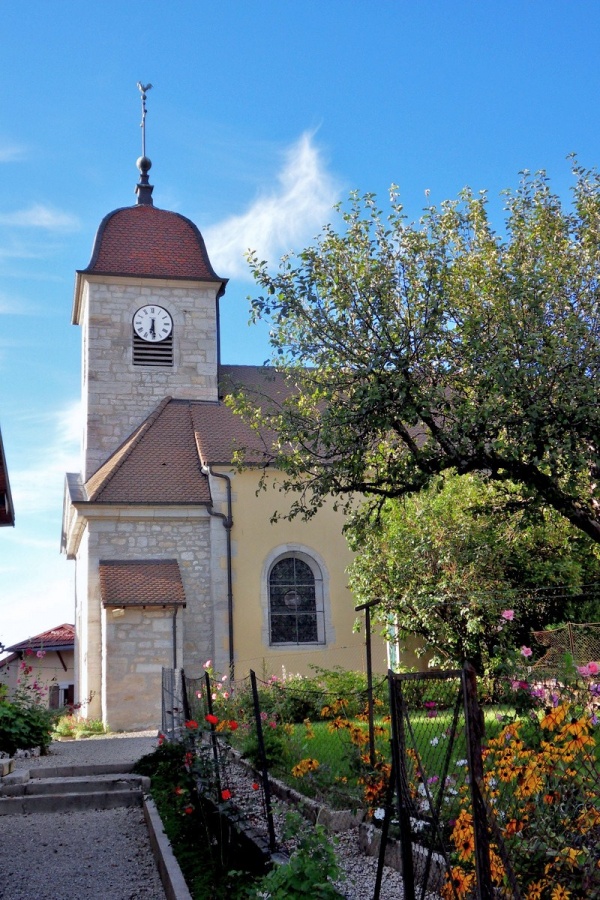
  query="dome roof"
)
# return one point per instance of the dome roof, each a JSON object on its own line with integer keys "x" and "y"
{"x": 147, "y": 242}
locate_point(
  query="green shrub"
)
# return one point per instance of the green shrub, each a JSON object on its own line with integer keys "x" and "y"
{"x": 312, "y": 868}
{"x": 24, "y": 726}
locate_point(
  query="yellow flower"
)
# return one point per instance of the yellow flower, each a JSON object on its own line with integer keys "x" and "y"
{"x": 497, "y": 869}
{"x": 570, "y": 855}
{"x": 458, "y": 885}
{"x": 554, "y": 717}
{"x": 529, "y": 781}
{"x": 534, "y": 891}
{"x": 560, "y": 893}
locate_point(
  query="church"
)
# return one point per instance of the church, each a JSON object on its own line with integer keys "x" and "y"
{"x": 176, "y": 561}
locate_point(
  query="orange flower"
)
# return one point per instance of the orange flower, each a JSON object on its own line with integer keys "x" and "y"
{"x": 534, "y": 891}
{"x": 458, "y": 885}
{"x": 554, "y": 717}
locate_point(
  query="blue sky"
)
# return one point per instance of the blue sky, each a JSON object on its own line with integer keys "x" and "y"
{"x": 261, "y": 117}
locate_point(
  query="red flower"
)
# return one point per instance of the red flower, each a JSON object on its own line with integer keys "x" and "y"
{"x": 161, "y": 739}
{"x": 213, "y": 720}
{"x": 189, "y": 810}
{"x": 233, "y": 725}
{"x": 178, "y": 790}
{"x": 191, "y": 724}
{"x": 255, "y": 785}
{"x": 226, "y": 794}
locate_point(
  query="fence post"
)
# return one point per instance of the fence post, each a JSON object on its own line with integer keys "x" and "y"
{"x": 475, "y": 731}
{"x": 263, "y": 758}
{"x": 184, "y": 697}
{"x": 399, "y": 768}
{"x": 213, "y": 736}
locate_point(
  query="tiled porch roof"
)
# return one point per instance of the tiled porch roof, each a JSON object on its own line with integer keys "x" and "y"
{"x": 154, "y": 582}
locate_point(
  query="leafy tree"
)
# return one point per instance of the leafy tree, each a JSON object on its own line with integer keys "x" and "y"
{"x": 441, "y": 345}
{"x": 446, "y": 562}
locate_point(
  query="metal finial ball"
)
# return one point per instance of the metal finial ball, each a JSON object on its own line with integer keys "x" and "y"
{"x": 144, "y": 164}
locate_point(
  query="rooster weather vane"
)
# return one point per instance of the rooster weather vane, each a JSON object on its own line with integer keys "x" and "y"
{"x": 143, "y": 89}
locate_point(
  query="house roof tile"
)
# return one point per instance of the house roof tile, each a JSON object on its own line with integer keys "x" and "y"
{"x": 154, "y": 582}
{"x": 60, "y": 638}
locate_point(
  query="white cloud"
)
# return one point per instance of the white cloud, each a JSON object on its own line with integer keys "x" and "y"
{"x": 279, "y": 221}
{"x": 37, "y": 487}
{"x": 40, "y": 216}
{"x": 11, "y": 153}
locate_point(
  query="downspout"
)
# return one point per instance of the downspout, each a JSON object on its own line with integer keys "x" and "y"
{"x": 227, "y": 524}
{"x": 175, "y": 608}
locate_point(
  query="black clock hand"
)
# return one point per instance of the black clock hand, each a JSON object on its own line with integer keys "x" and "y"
{"x": 152, "y": 329}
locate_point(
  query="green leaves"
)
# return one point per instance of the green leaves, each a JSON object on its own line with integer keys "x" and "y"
{"x": 415, "y": 348}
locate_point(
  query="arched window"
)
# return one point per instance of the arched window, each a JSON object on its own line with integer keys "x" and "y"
{"x": 296, "y": 601}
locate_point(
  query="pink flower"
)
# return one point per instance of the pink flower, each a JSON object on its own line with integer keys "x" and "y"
{"x": 584, "y": 670}
{"x": 508, "y": 614}
{"x": 207, "y": 664}
{"x": 594, "y": 668}
{"x": 226, "y": 695}
{"x": 40, "y": 654}
{"x": 526, "y": 652}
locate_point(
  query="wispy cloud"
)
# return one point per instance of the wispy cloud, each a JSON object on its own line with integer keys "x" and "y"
{"x": 37, "y": 486}
{"x": 40, "y": 216}
{"x": 279, "y": 221}
{"x": 12, "y": 152}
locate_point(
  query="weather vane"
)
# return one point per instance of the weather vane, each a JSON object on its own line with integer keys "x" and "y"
{"x": 143, "y": 88}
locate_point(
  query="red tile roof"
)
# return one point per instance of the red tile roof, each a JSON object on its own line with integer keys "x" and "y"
{"x": 161, "y": 462}
{"x": 154, "y": 582}
{"x": 60, "y": 638}
{"x": 150, "y": 243}
{"x": 157, "y": 464}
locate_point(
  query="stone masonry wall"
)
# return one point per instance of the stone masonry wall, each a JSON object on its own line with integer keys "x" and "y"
{"x": 118, "y": 396}
{"x": 137, "y": 656}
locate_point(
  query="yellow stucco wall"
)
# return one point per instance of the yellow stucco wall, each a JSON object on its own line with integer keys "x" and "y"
{"x": 256, "y": 542}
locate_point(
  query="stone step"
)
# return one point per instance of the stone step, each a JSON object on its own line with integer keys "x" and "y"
{"x": 52, "y": 803}
{"x": 58, "y": 788}
{"x": 78, "y": 785}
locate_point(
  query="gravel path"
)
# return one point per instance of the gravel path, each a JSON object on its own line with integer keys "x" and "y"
{"x": 105, "y": 854}
{"x": 91, "y": 855}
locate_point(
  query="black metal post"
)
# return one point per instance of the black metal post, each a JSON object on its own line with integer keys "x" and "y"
{"x": 213, "y": 737}
{"x": 263, "y": 759}
{"x": 402, "y": 792}
{"x": 475, "y": 731}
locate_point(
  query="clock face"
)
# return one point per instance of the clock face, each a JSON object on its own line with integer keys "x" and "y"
{"x": 152, "y": 323}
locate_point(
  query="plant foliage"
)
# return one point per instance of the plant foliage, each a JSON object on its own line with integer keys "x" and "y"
{"x": 441, "y": 345}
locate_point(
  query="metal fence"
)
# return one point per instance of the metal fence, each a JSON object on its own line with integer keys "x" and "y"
{"x": 500, "y": 801}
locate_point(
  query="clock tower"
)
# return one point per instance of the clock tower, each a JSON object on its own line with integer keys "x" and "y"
{"x": 148, "y": 307}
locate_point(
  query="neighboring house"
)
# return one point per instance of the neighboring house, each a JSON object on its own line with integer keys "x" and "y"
{"x": 177, "y": 561}
{"x": 50, "y": 656}
{"x": 7, "y": 512}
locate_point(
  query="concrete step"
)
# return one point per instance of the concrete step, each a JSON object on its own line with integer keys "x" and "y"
{"x": 59, "y": 788}
{"x": 80, "y": 785}
{"x": 52, "y": 803}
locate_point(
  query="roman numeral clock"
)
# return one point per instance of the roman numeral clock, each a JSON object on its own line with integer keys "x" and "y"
{"x": 153, "y": 332}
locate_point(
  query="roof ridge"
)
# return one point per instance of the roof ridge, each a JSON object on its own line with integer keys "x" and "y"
{"x": 133, "y": 440}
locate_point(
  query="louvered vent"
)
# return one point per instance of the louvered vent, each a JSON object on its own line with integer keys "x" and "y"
{"x": 146, "y": 353}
